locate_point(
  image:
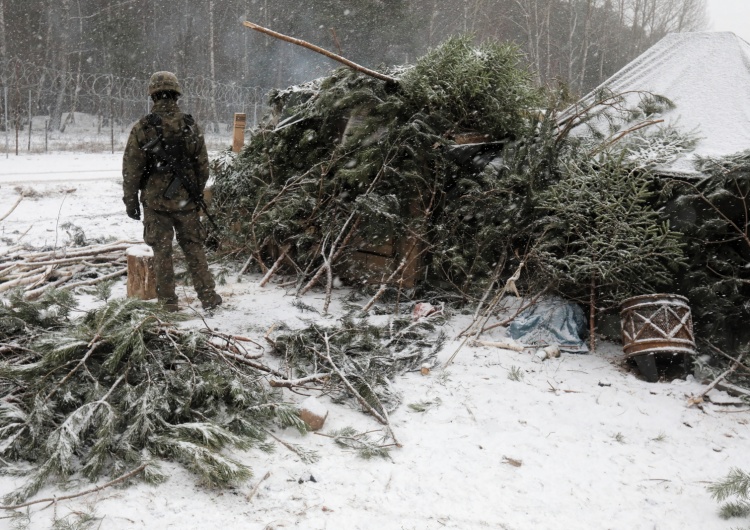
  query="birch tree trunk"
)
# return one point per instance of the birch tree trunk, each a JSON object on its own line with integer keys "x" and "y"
{"x": 530, "y": 26}
{"x": 586, "y": 44}
{"x": 572, "y": 28}
{"x": 76, "y": 90}
{"x": 3, "y": 45}
{"x": 212, "y": 65}
{"x": 55, "y": 121}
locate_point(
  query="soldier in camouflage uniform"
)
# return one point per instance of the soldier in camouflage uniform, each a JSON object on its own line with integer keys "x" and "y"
{"x": 144, "y": 169}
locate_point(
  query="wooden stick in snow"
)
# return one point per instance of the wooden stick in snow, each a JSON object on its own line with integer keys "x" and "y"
{"x": 272, "y": 270}
{"x": 66, "y": 261}
{"x": 329, "y": 283}
{"x": 12, "y": 208}
{"x": 83, "y": 251}
{"x": 96, "y": 280}
{"x": 502, "y": 345}
{"x": 383, "y": 287}
{"x": 24, "y": 279}
{"x": 54, "y": 500}
{"x": 334, "y": 257}
{"x": 694, "y": 400}
{"x": 47, "y": 273}
{"x": 291, "y": 383}
{"x": 245, "y": 266}
{"x": 717, "y": 350}
{"x": 317, "y": 49}
{"x": 257, "y": 486}
{"x": 11, "y": 250}
{"x": 36, "y": 293}
{"x": 510, "y": 285}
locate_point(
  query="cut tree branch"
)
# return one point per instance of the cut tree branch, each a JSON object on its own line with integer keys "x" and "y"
{"x": 12, "y": 208}
{"x": 317, "y": 49}
{"x": 694, "y": 400}
{"x": 54, "y": 500}
{"x": 302, "y": 381}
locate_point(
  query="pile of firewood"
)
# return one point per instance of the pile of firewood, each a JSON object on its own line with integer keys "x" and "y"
{"x": 67, "y": 268}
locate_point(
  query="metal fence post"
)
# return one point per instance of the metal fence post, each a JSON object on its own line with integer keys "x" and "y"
{"x": 31, "y": 120}
{"x": 111, "y": 126}
{"x": 7, "y": 132}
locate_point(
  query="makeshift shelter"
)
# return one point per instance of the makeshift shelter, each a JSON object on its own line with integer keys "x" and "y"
{"x": 707, "y": 76}
{"x": 352, "y": 176}
{"x": 704, "y": 190}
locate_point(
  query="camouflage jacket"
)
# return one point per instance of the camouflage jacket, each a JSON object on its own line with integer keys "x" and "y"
{"x": 138, "y": 165}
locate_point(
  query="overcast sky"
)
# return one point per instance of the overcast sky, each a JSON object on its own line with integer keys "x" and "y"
{"x": 730, "y": 15}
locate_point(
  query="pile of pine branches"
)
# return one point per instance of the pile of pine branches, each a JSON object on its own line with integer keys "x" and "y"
{"x": 358, "y": 360}
{"x": 713, "y": 214}
{"x": 121, "y": 388}
{"x": 349, "y": 162}
{"x": 117, "y": 390}
{"x": 346, "y": 162}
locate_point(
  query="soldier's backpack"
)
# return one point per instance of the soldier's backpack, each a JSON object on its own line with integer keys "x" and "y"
{"x": 171, "y": 153}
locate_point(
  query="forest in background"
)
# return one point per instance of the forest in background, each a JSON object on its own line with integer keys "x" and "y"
{"x": 575, "y": 44}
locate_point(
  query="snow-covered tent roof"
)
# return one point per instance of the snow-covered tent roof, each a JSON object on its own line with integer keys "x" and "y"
{"x": 707, "y": 76}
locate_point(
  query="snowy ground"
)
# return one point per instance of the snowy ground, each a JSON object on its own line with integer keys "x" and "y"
{"x": 577, "y": 443}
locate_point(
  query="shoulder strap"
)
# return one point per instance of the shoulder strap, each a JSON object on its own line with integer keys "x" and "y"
{"x": 152, "y": 130}
{"x": 154, "y": 120}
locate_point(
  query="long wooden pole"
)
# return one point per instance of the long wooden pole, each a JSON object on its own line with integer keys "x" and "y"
{"x": 317, "y": 49}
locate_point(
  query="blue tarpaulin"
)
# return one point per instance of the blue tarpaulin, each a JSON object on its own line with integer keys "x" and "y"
{"x": 552, "y": 321}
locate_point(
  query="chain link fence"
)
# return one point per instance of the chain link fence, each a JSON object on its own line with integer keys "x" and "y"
{"x": 43, "y": 108}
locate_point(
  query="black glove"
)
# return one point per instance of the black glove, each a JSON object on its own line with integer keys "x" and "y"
{"x": 134, "y": 211}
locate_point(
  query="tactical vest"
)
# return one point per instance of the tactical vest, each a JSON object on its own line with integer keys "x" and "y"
{"x": 170, "y": 178}
{"x": 167, "y": 151}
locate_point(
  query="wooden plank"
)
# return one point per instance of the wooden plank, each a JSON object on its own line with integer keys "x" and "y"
{"x": 240, "y": 121}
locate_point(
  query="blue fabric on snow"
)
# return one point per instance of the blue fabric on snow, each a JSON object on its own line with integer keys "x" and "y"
{"x": 552, "y": 321}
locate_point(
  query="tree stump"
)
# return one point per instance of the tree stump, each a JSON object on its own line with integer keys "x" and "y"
{"x": 141, "y": 276}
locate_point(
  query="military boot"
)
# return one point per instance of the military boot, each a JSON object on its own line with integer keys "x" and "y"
{"x": 170, "y": 305}
{"x": 212, "y": 301}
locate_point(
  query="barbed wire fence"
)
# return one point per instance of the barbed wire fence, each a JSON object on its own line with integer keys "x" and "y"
{"x": 40, "y": 104}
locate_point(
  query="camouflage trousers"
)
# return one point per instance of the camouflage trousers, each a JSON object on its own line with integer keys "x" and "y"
{"x": 159, "y": 229}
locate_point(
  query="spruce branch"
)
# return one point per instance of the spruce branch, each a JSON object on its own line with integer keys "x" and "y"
{"x": 359, "y": 358}
{"x": 326, "y": 356}
{"x": 123, "y": 382}
{"x": 306, "y": 455}
{"x": 736, "y": 484}
{"x": 362, "y": 443}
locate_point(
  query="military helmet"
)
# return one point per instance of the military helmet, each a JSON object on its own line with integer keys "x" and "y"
{"x": 162, "y": 82}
